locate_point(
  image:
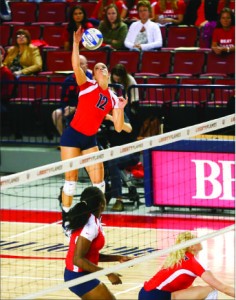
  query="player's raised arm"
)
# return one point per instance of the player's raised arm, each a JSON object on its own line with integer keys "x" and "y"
{"x": 75, "y": 59}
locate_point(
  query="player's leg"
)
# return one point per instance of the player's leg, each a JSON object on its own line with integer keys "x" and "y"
{"x": 96, "y": 171}
{"x": 193, "y": 293}
{"x": 57, "y": 118}
{"x": 71, "y": 177}
{"x": 100, "y": 292}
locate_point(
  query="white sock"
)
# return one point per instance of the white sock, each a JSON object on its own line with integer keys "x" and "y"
{"x": 101, "y": 186}
{"x": 212, "y": 295}
{"x": 66, "y": 208}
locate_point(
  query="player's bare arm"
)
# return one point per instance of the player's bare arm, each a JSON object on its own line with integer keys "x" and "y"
{"x": 79, "y": 73}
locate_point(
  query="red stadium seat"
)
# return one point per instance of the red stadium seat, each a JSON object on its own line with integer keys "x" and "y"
{"x": 157, "y": 62}
{"x": 179, "y": 36}
{"x": 130, "y": 59}
{"x": 159, "y": 95}
{"x": 93, "y": 57}
{"x": 221, "y": 96}
{"x": 188, "y": 63}
{"x": 220, "y": 65}
{"x": 5, "y": 35}
{"x": 57, "y": 61}
{"x": 51, "y": 13}
{"x": 54, "y": 88}
{"x": 31, "y": 88}
{"x": 164, "y": 35}
{"x": 23, "y": 12}
{"x": 52, "y": 35}
{"x": 193, "y": 96}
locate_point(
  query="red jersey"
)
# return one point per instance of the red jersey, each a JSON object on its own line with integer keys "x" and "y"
{"x": 224, "y": 38}
{"x": 6, "y": 75}
{"x": 92, "y": 231}
{"x": 93, "y": 105}
{"x": 177, "y": 278}
{"x": 169, "y": 12}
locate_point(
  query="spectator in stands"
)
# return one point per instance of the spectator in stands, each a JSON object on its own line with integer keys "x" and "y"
{"x": 120, "y": 75}
{"x": 77, "y": 17}
{"x": 5, "y": 76}
{"x": 115, "y": 166}
{"x": 113, "y": 29}
{"x": 223, "y": 39}
{"x": 180, "y": 269}
{"x": 226, "y": 3}
{"x": 169, "y": 12}
{"x": 23, "y": 58}
{"x": 100, "y": 8}
{"x": 69, "y": 97}
{"x": 131, "y": 11}
{"x": 144, "y": 35}
{"x": 203, "y": 14}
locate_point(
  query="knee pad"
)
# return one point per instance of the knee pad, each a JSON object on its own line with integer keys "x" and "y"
{"x": 69, "y": 188}
{"x": 101, "y": 186}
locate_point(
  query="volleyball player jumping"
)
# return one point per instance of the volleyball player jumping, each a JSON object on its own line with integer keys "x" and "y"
{"x": 95, "y": 100}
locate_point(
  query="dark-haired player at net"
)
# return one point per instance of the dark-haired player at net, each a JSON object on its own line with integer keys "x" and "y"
{"x": 180, "y": 269}
{"x": 95, "y": 101}
{"x": 86, "y": 241}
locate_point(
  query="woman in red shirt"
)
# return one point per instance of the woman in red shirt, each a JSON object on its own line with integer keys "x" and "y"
{"x": 180, "y": 269}
{"x": 86, "y": 241}
{"x": 223, "y": 38}
{"x": 169, "y": 12}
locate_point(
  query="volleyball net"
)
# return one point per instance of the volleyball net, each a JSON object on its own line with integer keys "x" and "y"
{"x": 188, "y": 184}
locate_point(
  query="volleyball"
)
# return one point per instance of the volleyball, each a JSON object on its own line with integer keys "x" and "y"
{"x": 92, "y": 39}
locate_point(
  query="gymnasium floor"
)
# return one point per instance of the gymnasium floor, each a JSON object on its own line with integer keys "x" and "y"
{"x": 33, "y": 246}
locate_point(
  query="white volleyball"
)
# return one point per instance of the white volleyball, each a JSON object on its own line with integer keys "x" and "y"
{"x": 92, "y": 39}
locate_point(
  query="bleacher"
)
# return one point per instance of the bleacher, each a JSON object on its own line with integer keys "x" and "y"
{"x": 183, "y": 81}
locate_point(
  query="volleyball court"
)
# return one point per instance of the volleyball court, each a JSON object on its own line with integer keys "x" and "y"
{"x": 33, "y": 247}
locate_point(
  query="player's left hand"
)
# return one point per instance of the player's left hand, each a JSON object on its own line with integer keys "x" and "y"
{"x": 122, "y": 102}
{"x": 114, "y": 278}
{"x": 125, "y": 258}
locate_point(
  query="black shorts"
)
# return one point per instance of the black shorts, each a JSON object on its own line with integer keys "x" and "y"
{"x": 83, "y": 288}
{"x": 154, "y": 295}
{"x": 73, "y": 138}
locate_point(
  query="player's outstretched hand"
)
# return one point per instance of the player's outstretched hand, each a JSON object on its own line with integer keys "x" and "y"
{"x": 125, "y": 258}
{"x": 114, "y": 278}
{"x": 78, "y": 35}
{"x": 122, "y": 102}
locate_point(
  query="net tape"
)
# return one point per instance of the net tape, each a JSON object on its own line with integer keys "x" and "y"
{"x": 114, "y": 152}
{"x": 127, "y": 264}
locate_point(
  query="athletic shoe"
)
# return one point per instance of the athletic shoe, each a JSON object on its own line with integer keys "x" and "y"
{"x": 118, "y": 206}
{"x": 212, "y": 295}
{"x": 65, "y": 221}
